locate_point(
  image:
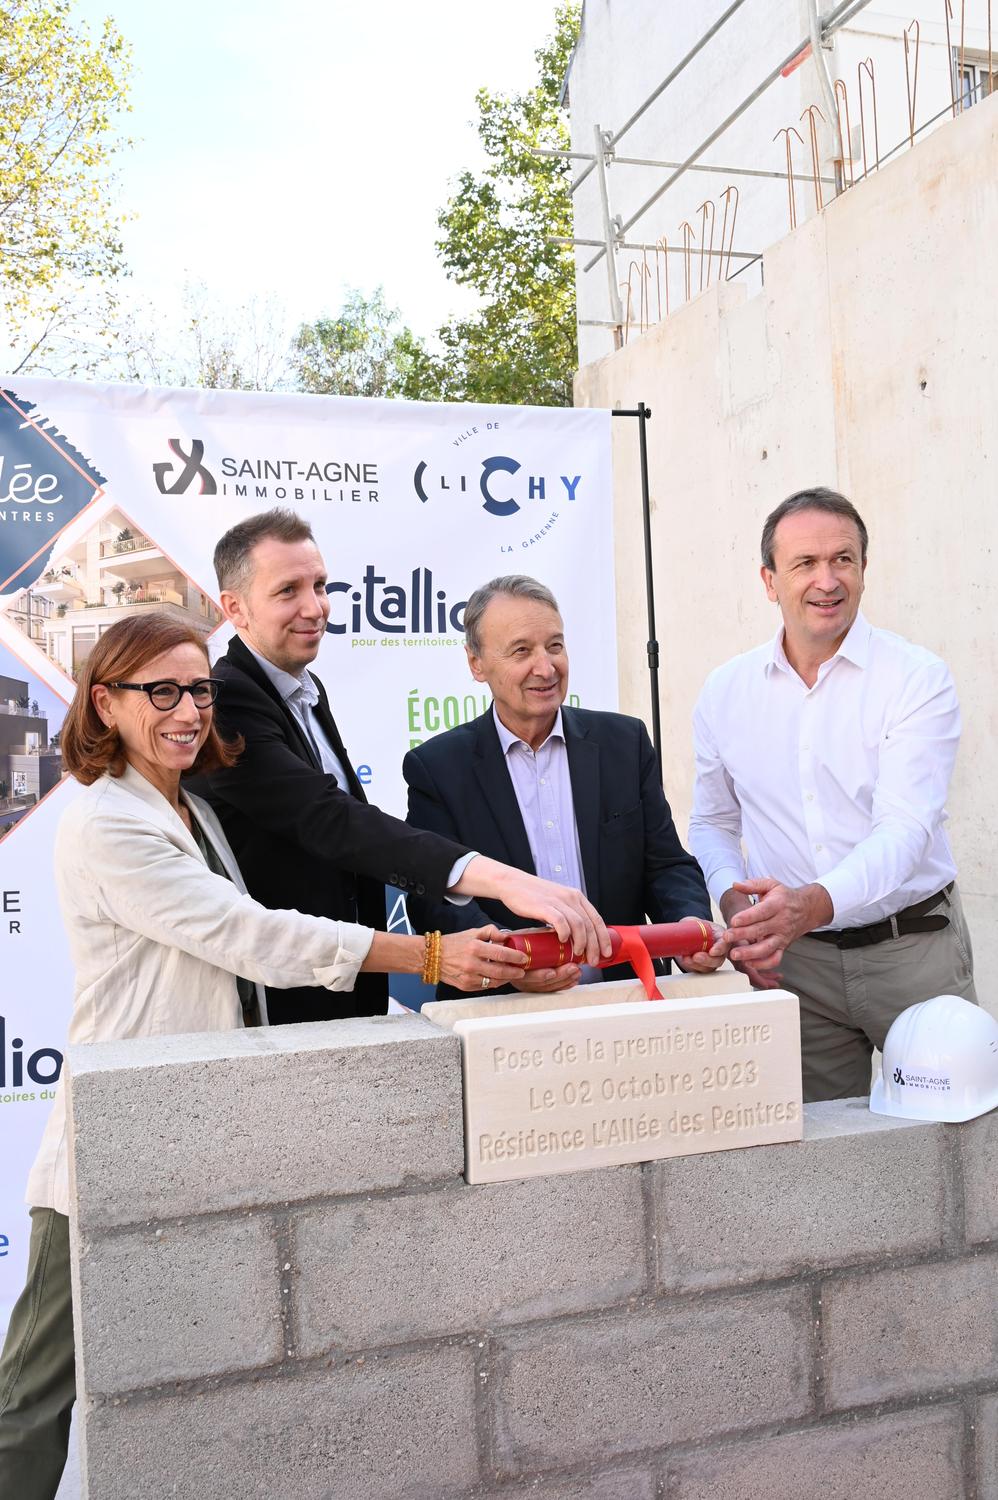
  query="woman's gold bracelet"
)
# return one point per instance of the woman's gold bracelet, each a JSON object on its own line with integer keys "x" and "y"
{"x": 431, "y": 958}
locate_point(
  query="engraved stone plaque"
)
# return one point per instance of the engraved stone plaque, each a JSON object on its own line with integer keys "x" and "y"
{"x": 597, "y": 1084}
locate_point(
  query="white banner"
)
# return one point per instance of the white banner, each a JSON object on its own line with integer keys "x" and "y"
{"x": 111, "y": 501}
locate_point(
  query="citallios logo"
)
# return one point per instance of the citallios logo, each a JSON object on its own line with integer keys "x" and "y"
{"x": 271, "y": 479}
{"x": 414, "y": 606}
{"x": 44, "y": 483}
{"x": 18, "y": 1071}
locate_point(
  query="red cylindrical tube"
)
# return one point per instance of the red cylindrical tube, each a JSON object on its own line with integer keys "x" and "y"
{"x": 545, "y": 950}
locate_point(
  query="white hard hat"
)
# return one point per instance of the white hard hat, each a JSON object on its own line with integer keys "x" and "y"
{"x": 940, "y": 1062}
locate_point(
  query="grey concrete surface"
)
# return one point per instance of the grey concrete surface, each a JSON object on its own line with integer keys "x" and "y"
{"x": 335, "y": 1107}
{"x": 835, "y": 1199}
{"x": 910, "y": 1331}
{"x": 986, "y": 1436}
{"x": 286, "y": 1289}
{"x": 978, "y": 1141}
{"x": 916, "y": 1456}
{"x": 375, "y": 1429}
{"x": 591, "y": 1388}
{"x": 625, "y": 1484}
{"x": 486, "y": 1256}
{"x": 180, "y": 1301}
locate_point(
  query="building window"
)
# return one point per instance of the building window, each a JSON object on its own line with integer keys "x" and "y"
{"x": 83, "y": 643}
{"x": 975, "y": 77}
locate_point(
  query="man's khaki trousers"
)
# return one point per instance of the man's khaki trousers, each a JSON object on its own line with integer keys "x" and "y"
{"x": 850, "y": 996}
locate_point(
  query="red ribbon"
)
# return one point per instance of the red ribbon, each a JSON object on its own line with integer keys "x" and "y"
{"x": 634, "y": 951}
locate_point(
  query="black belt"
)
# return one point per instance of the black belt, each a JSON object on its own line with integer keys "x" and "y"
{"x": 912, "y": 919}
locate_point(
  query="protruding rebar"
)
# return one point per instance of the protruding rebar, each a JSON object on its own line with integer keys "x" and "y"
{"x": 811, "y": 111}
{"x": 730, "y": 196}
{"x": 706, "y": 252}
{"x": 911, "y": 75}
{"x": 842, "y": 108}
{"x": 866, "y": 66}
{"x": 688, "y": 237}
{"x": 787, "y": 132}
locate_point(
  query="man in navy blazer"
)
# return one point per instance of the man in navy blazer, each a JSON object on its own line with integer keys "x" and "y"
{"x": 567, "y": 793}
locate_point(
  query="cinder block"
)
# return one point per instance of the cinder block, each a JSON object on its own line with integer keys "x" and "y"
{"x": 588, "y": 1390}
{"x": 899, "y": 1333}
{"x": 859, "y": 1186}
{"x": 986, "y": 1439}
{"x": 900, "y": 1457}
{"x": 381, "y": 1429}
{"x": 979, "y": 1152}
{"x": 479, "y": 1257}
{"x": 332, "y": 1107}
{"x": 623, "y": 1484}
{"x": 176, "y": 1303}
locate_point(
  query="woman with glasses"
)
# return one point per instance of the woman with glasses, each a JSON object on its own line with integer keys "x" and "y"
{"x": 159, "y": 927}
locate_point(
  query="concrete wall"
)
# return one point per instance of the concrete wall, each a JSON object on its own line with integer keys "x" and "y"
{"x": 866, "y": 364}
{"x": 627, "y": 47}
{"x": 285, "y": 1288}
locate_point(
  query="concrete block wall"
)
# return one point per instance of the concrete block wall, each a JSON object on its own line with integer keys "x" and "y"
{"x": 284, "y": 1288}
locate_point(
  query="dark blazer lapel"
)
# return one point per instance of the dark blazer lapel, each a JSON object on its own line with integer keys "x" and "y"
{"x": 324, "y": 718}
{"x": 240, "y": 656}
{"x": 497, "y": 792}
{"x": 583, "y": 765}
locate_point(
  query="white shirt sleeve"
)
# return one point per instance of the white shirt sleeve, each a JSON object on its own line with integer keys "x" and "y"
{"x": 916, "y": 761}
{"x": 715, "y": 832}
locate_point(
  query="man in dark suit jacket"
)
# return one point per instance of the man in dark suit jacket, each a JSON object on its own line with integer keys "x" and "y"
{"x": 292, "y": 807}
{"x": 564, "y": 792}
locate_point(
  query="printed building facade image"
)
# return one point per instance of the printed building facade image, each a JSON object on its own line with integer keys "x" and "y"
{"x": 112, "y": 571}
{"x": 29, "y": 766}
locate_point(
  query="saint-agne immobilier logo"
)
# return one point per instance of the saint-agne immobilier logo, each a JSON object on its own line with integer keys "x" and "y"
{"x": 44, "y": 484}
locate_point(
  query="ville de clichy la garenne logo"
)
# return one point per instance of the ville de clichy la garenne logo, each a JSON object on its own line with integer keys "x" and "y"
{"x": 44, "y": 484}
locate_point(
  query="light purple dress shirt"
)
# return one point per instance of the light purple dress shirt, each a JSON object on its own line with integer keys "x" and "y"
{"x": 543, "y": 786}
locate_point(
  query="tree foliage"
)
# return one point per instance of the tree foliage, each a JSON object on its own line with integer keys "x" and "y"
{"x": 365, "y": 350}
{"x": 59, "y": 95}
{"x": 206, "y": 342}
{"x": 497, "y": 231}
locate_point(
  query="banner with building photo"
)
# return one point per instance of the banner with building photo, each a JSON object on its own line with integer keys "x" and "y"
{"x": 111, "y": 501}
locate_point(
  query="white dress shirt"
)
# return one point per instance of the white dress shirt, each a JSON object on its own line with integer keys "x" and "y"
{"x": 843, "y": 783}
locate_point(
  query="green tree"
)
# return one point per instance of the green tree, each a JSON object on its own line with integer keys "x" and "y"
{"x": 366, "y": 350}
{"x": 59, "y": 95}
{"x": 497, "y": 230}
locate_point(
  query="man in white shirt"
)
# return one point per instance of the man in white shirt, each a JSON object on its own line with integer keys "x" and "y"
{"x": 827, "y": 753}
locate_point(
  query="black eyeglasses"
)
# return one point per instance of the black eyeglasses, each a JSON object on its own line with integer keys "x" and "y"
{"x": 166, "y": 695}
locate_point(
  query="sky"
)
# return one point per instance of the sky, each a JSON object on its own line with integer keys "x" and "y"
{"x": 294, "y": 151}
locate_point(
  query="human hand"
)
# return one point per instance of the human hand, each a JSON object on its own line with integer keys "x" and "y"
{"x": 706, "y": 963}
{"x": 474, "y": 961}
{"x": 758, "y": 934}
{"x": 574, "y": 919}
{"x": 548, "y": 981}
{"x": 731, "y": 902}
